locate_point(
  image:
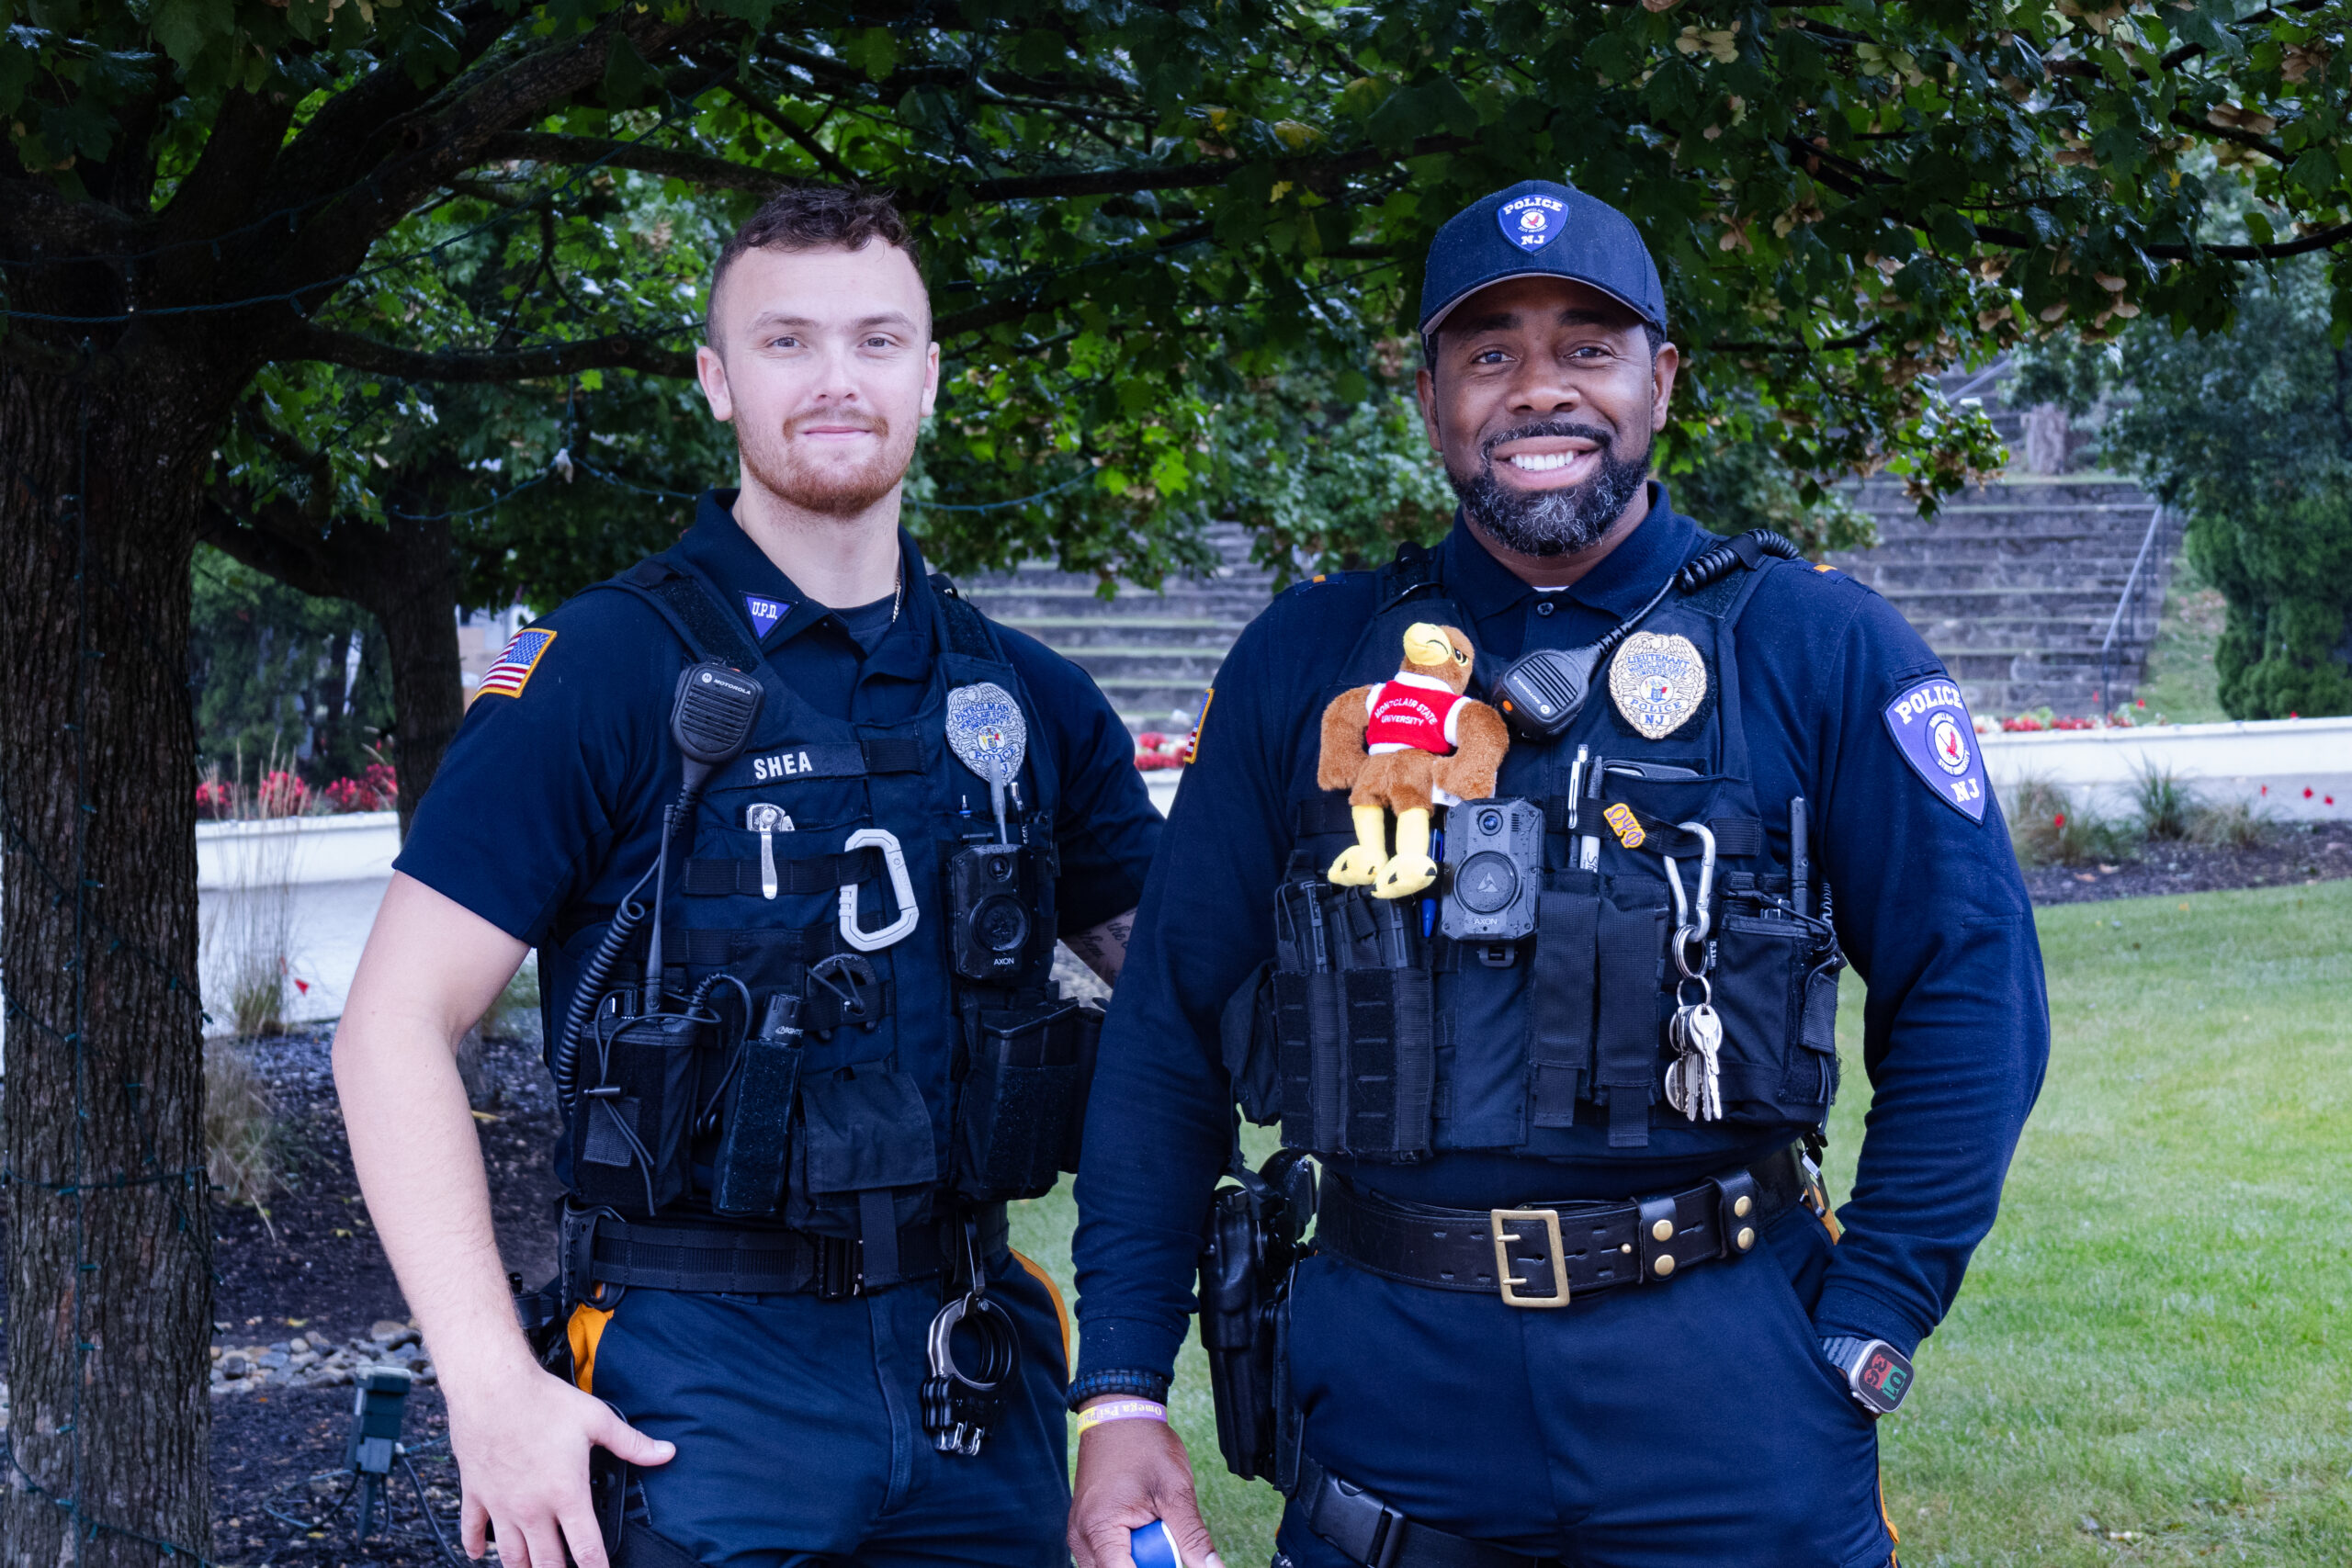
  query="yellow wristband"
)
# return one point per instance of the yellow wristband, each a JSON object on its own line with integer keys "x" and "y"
{"x": 1094, "y": 1416}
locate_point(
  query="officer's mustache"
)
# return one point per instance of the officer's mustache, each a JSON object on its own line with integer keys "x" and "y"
{"x": 873, "y": 424}
{"x": 1564, "y": 429}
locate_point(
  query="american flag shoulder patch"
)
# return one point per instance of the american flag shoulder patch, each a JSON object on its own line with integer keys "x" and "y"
{"x": 512, "y": 671}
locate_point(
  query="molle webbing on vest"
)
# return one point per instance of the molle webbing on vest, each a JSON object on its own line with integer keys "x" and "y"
{"x": 1567, "y": 931}
{"x": 818, "y": 874}
{"x": 709, "y": 627}
{"x": 965, "y": 629}
{"x": 1629, "y": 954}
{"x": 1354, "y": 1025}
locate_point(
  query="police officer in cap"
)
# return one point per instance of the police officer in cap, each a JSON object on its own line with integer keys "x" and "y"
{"x": 794, "y": 831}
{"x": 1575, "y": 1293}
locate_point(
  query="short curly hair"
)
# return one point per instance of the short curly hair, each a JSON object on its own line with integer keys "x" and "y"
{"x": 815, "y": 218}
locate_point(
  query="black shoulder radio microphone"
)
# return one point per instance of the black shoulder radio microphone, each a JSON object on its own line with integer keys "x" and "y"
{"x": 711, "y": 719}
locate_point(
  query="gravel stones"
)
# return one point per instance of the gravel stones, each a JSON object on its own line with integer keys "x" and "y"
{"x": 314, "y": 1361}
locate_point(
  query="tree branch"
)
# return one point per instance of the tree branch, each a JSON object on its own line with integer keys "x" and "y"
{"x": 618, "y": 351}
{"x": 799, "y": 135}
{"x": 2230, "y": 133}
{"x": 695, "y": 168}
{"x": 1858, "y": 340}
{"x": 272, "y": 538}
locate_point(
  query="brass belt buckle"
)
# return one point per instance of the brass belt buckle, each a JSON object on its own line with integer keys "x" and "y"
{"x": 1550, "y": 1220}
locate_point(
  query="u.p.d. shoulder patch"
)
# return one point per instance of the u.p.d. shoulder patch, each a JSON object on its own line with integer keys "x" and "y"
{"x": 1932, "y": 729}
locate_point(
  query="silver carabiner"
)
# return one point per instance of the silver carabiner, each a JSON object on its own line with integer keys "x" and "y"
{"x": 1691, "y": 923}
{"x": 903, "y": 889}
{"x": 1704, "y": 920}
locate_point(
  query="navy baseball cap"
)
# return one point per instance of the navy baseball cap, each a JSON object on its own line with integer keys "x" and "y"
{"x": 1539, "y": 228}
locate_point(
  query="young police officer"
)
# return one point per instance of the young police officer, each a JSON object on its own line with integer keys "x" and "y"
{"x": 1572, "y": 1299}
{"x": 788, "y": 1301}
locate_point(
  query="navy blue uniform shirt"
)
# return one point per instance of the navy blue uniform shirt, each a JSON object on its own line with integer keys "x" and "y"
{"x": 1929, "y": 906}
{"x": 552, "y": 799}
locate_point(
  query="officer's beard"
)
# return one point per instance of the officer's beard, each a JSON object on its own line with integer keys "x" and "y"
{"x": 1552, "y": 522}
{"x": 785, "y": 467}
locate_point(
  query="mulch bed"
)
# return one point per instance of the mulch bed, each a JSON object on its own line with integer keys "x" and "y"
{"x": 2289, "y": 855}
{"x": 312, "y": 1266}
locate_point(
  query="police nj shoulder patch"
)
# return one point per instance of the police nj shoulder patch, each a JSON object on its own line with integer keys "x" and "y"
{"x": 1533, "y": 222}
{"x": 1932, "y": 729}
{"x": 507, "y": 677}
{"x": 1658, "y": 682}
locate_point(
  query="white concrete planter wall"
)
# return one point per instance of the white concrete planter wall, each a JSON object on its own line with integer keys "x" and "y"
{"x": 2289, "y": 770}
{"x": 297, "y": 850}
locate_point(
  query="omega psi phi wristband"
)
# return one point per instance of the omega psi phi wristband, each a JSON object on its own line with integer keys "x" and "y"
{"x": 1094, "y": 1416}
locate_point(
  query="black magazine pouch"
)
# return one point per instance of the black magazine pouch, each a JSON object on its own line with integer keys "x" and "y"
{"x": 1251, "y": 1047}
{"x": 1019, "y": 1098}
{"x": 864, "y": 1130}
{"x": 1756, "y": 985}
{"x": 1353, "y": 1023}
{"x": 629, "y": 1124}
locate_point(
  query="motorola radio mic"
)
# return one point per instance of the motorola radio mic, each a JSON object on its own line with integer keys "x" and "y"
{"x": 711, "y": 718}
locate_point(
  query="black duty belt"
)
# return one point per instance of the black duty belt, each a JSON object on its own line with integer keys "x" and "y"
{"x": 686, "y": 1256}
{"x": 1541, "y": 1255}
{"x": 1372, "y": 1533}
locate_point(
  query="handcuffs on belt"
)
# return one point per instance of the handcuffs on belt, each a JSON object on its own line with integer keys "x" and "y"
{"x": 959, "y": 1407}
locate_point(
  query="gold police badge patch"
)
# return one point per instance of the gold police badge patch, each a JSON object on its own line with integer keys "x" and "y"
{"x": 1658, "y": 682}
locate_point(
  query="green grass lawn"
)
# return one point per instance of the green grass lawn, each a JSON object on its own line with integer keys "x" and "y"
{"x": 2181, "y": 682}
{"x": 2149, "y": 1339}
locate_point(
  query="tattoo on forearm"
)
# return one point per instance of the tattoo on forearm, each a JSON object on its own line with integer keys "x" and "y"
{"x": 1103, "y": 948}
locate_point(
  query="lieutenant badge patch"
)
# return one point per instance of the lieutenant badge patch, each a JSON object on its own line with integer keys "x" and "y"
{"x": 1658, "y": 682}
{"x": 1932, "y": 729}
{"x": 507, "y": 677}
{"x": 1533, "y": 222}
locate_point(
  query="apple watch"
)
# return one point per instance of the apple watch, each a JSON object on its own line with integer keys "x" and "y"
{"x": 1877, "y": 1374}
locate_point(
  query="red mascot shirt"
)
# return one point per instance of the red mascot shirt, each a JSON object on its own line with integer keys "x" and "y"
{"x": 1418, "y": 713}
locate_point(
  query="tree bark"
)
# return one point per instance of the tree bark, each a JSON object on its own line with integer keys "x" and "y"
{"x": 110, "y": 1239}
{"x": 413, "y": 594}
{"x": 403, "y": 572}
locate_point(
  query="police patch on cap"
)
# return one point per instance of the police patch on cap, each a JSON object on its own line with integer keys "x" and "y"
{"x": 1932, "y": 729}
{"x": 1658, "y": 682}
{"x": 1533, "y": 223}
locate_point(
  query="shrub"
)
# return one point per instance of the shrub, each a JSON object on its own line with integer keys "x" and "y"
{"x": 2046, "y": 829}
{"x": 2235, "y": 826}
{"x": 241, "y": 1140}
{"x": 2166, "y": 805}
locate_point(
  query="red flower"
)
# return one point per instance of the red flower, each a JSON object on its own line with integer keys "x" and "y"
{"x": 2307, "y": 793}
{"x": 2059, "y": 820}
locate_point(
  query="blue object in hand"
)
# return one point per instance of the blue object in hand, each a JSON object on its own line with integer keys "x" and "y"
{"x": 1153, "y": 1546}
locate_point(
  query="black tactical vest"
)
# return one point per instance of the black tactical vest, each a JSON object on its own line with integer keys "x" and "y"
{"x": 1373, "y": 1035}
{"x": 908, "y": 1086}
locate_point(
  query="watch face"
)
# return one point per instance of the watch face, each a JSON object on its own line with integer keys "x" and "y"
{"x": 1882, "y": 1378}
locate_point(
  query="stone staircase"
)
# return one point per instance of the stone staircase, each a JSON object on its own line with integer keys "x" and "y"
{"x": 2014, "y": 585}
{"x": 1152, "y": 653}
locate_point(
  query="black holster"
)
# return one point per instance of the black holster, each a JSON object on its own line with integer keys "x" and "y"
{"x": 1245, "y": 1259}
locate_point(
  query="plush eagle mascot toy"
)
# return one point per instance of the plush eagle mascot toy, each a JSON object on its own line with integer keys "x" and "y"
{"x": 1406, "y": 745}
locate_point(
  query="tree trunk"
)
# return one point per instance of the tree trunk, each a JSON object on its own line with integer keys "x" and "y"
{"x": 410, "y": 587}
{"x": 110, "y": 1282}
